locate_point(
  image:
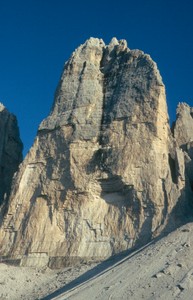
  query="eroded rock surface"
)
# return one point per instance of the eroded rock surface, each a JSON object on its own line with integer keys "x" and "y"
{"x": 10, "y": 151}
{"x": 183, "y": 134}
{"x": 103, "y": 174}
{"x": 183, "y": 127}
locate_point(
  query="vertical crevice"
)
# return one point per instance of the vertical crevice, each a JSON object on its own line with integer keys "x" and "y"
{"x": 173, "y": 128}
{"x": 172, "y": 166}
{"x": 165, "y": 208}
{"x": 101, "y": 139}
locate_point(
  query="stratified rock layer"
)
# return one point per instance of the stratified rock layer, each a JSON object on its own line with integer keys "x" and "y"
{"x": 101, "y": 176}
{"x": 10, "y": 151}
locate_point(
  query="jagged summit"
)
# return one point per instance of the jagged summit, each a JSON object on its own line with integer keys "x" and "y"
{"x": 96, "y": 42}
{"x": 105, "y": 173}
{"x": 91, "y": 63}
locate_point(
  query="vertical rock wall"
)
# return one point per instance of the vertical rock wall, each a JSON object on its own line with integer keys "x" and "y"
{"x": 101, "y": 176}
{"x": 10, "y": 151}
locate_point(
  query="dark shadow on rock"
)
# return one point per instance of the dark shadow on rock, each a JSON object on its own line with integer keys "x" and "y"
{"x": 181, "y": 214}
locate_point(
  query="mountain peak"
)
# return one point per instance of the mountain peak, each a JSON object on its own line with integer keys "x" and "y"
{"x": 105, "y": 173}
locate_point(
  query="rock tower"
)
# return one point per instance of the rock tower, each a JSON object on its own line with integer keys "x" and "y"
{"x": 105, "y": 173}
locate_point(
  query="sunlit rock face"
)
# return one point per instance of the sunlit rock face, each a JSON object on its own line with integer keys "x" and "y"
{"x": 103, "y": 174}
{"x": 183, "y": 136}
{"x": 10, "y": 151}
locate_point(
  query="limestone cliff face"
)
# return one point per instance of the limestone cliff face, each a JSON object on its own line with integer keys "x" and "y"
{"x": 183, "y": 134}
{"x": 101, "y": 176}
{"x": 183, "y": 127}
{"x": 10, "y": 151}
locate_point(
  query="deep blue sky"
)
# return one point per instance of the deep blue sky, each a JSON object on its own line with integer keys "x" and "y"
{"x": 38, "y": 36}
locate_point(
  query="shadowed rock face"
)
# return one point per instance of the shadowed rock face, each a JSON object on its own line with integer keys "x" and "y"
{"x": 10, "y": 151}
{"x": 103, "y": 174}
